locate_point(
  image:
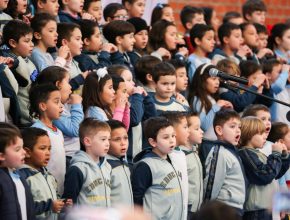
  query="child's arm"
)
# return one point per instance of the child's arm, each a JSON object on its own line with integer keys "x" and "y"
{"x": 136, "y": 109}
{"x": 126, "y": 116}
{"x": 257, "y": 172}
{"x": 149, "y": 108}
{"x": 73, "y": 183}
{"x": 141, "y": 181}
{"x": 281, "y": 81}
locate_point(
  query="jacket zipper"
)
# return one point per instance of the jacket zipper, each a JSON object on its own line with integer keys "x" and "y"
{"x": 104, "y": 186}
{"x": 129, "y": 183}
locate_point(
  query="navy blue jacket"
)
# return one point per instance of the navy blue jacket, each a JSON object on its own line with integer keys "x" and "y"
{"x": 67, "y": 18}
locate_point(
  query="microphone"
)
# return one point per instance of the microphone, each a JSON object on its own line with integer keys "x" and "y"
{"x": 216, "y": 73}
{"x": 288, "y": 115}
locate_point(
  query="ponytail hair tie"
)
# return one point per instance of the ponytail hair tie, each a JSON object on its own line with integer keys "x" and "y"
{"x": 101, "y": 73}
{"x": 204, "y": 67}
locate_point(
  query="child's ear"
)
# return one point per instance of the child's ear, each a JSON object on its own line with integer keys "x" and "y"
{"x": 87, "y": 141}
{"x": 28, "y": 152}
{"x": 37, "y": 35}
{"x": 42, "y": 106}
{"x": 149, "y": 77}
{"x": 40, "y": 4}
{"x": 86, "y": 41}
{"x": 226, "y": 40}
{"x": 218, "y": 130}
{"x": 278, "y": 40}
{"x": 188, "y": 25}
{"x": 248, "y": 17}
{"x": 119, "y": 40}
{"x": 127, "y": 5}
{"x": 197, "y": 41}
{"x": 65, "y": 2}
{"x": 64, "y": 42}
{"x": 12, "y": 43}
{"x": 2, "y": 156}
{"x": 152, "y": 142}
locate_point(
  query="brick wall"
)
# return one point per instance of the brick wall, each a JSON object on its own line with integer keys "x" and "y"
{"x": 278, "y": 10}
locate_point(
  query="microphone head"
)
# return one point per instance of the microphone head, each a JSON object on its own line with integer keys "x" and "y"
{"x": 288, "y": 115}
{"x": 213, "y": 72}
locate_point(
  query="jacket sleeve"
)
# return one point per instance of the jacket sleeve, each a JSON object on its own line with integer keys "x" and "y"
{"x": 257, "y": 172}
{"x": 280, "y": 83}
{"x": 73, "y": 183}
{"x": 117, "y": 58}
{"x": 285, "y": 165}
{"x": 136, "y": 109}
{"x": 141, "y": 180}
{"x": 265, "y": 101}
{"x": 42, "y": 206}
{"x": 76, "y": 82}
{"x": 69, "y": 125}
{"x": 104, "y": 59}
{"x": 149, "y": 108}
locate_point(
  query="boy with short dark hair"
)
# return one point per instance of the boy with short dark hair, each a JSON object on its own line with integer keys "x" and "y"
{"x": 155, "y": 178}
{"x": 115, "y": 11}
{"x": 165, "y": 81}
{"x": 254, "y": 11}
{"x": 224, "y": 171}
{"x": 17, "y": 35}
{"x": 88, "y": 180}
{"x": 233, "y": 17}
{"x": 16, "y": 201}
{"x": 121, "y": 189}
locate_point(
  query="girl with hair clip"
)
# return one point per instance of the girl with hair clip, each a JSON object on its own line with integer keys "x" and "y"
{"x": 163, "y": 41}
{"x": 279, "y": 41}
{"x": 99, "y": 97}
{"x": 162, "y": 11}
{"x": 135, "y": 8}
{"x": 203, "y": 98}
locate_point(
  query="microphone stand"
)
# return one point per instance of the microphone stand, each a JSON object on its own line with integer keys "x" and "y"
{"x": 234, "y": 86}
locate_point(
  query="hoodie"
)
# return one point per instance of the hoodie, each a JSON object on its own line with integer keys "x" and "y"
{"x": 88, "y": 182}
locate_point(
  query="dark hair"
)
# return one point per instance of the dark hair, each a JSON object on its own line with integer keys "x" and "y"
{"x": 207, "y": 11}
{"x": 157, "y": 12}
{"x": 51, "y": 74}
{"x": 177, "y": 63}
{"x": 269, "y": 65}
{"x": 225, "y": 30}
{"x": 87, "y": 4}
{"x": 37, "y": 94}
{"x": 244, "y": 26}
{"x": 90, "y": 127}
{"x": 153, "y": 125}
{"x": 162, "y": 69}
{"x": 15, "y": 29}
{"x": 12, "y": 9}
{"x": 91, "y": 91}
{"x": 115, "y": 124}
{"x": 116, "y": 81}
{"x": 117, "y": 69}
{"x": 187, "y": 14}
{"x": 174, "y": 117}
{"x": 252, "y": 110}
{"x": 222, "y": 116}
{"x": 111, "y": 9}
{"x": 261, "y": 28}
{"x": 31, "y": 135}
{"x": 277, "y": 31}
{"x": 278, "y": 131}
{"x": 117, "y": 28}
{"x": 230, "y": 15}
{"x": 8, "y": 135}
{"x": 248, "y": 67}
{"x": 157, "y": 34}
{"x": 64, "y": 31}
{"x": 251, "y": 6}
{"x": 88, "y": 28}
{"x": 145, "y": 66}
{"x": 198, "y": 87}
{"x": 34, "y": 3}
{"x": 39, "y": 21}
{"x": 198, "y": 31}
{"x": 129, "y": 1}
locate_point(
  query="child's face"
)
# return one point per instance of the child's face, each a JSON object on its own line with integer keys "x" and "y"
{"x": 126, "y": 42}
{"x": 95, "y": 41}
{"x": 170, "y": 37}
{"x": 263, "y": 40}
{"x": 284, "y": 43}
{"x": 254, "y": 76}
{"x": 165, "y": 142}
{"x": 275, "y": 73}
{"x": 257, "y": 17}
{"x": 14, "y": 155}
{"x": 167, "y": 14}
{"x": 24, "y": 46}
{"x": 107, "y": 96}
{"x": 215, "y": 22}
{"x": 165, "y": 87}
{"x": 95, "y": 9}
{"x": 181, "y": 79}
{"x": 75, "y": 6}
{"x": 182, "y": 133}
{"x": 65, "y": 89}
{"x": 21, "y": 6}
{"x": 127, "y": 76}
{"x": 50, "y": 7}
{"x": 121, "y": 92}
{"x": 250, "y": 36}
{"x": 212, "y": 84}
{"x": 235, "y": 39}
{"x": 141, "y": 39}
{"x": 266, "y": 119}
{"x": 75, "y": 42}
{"x": 119, "y": 142}
{"x": 195, "y": 132}
{"x": 121, "y": 14}
{"x": 197, "y": 19}
{"x": 48, "y": 35}
{"x": 258, "y": 140}
{"x": 207, "y": 42}
{"x": 230, "y": 132}
{"x": 40, "y": 155}
{"x": 136, "y": 9}
{"x": 53, "y": 106}
{"x": 286, "y": 140}
{"x": 99, "y": 144}
{"x": 3, "y": 4}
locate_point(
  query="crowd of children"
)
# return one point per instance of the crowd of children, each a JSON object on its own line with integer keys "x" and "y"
{"x": 97, "y": 108}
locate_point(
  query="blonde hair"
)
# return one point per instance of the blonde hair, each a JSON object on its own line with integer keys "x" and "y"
{"x": 250, "y": 126}
{"x": 228, "y": 66}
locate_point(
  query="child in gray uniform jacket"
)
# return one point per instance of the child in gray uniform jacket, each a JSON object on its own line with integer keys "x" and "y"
{"x": 156, "y": 180}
